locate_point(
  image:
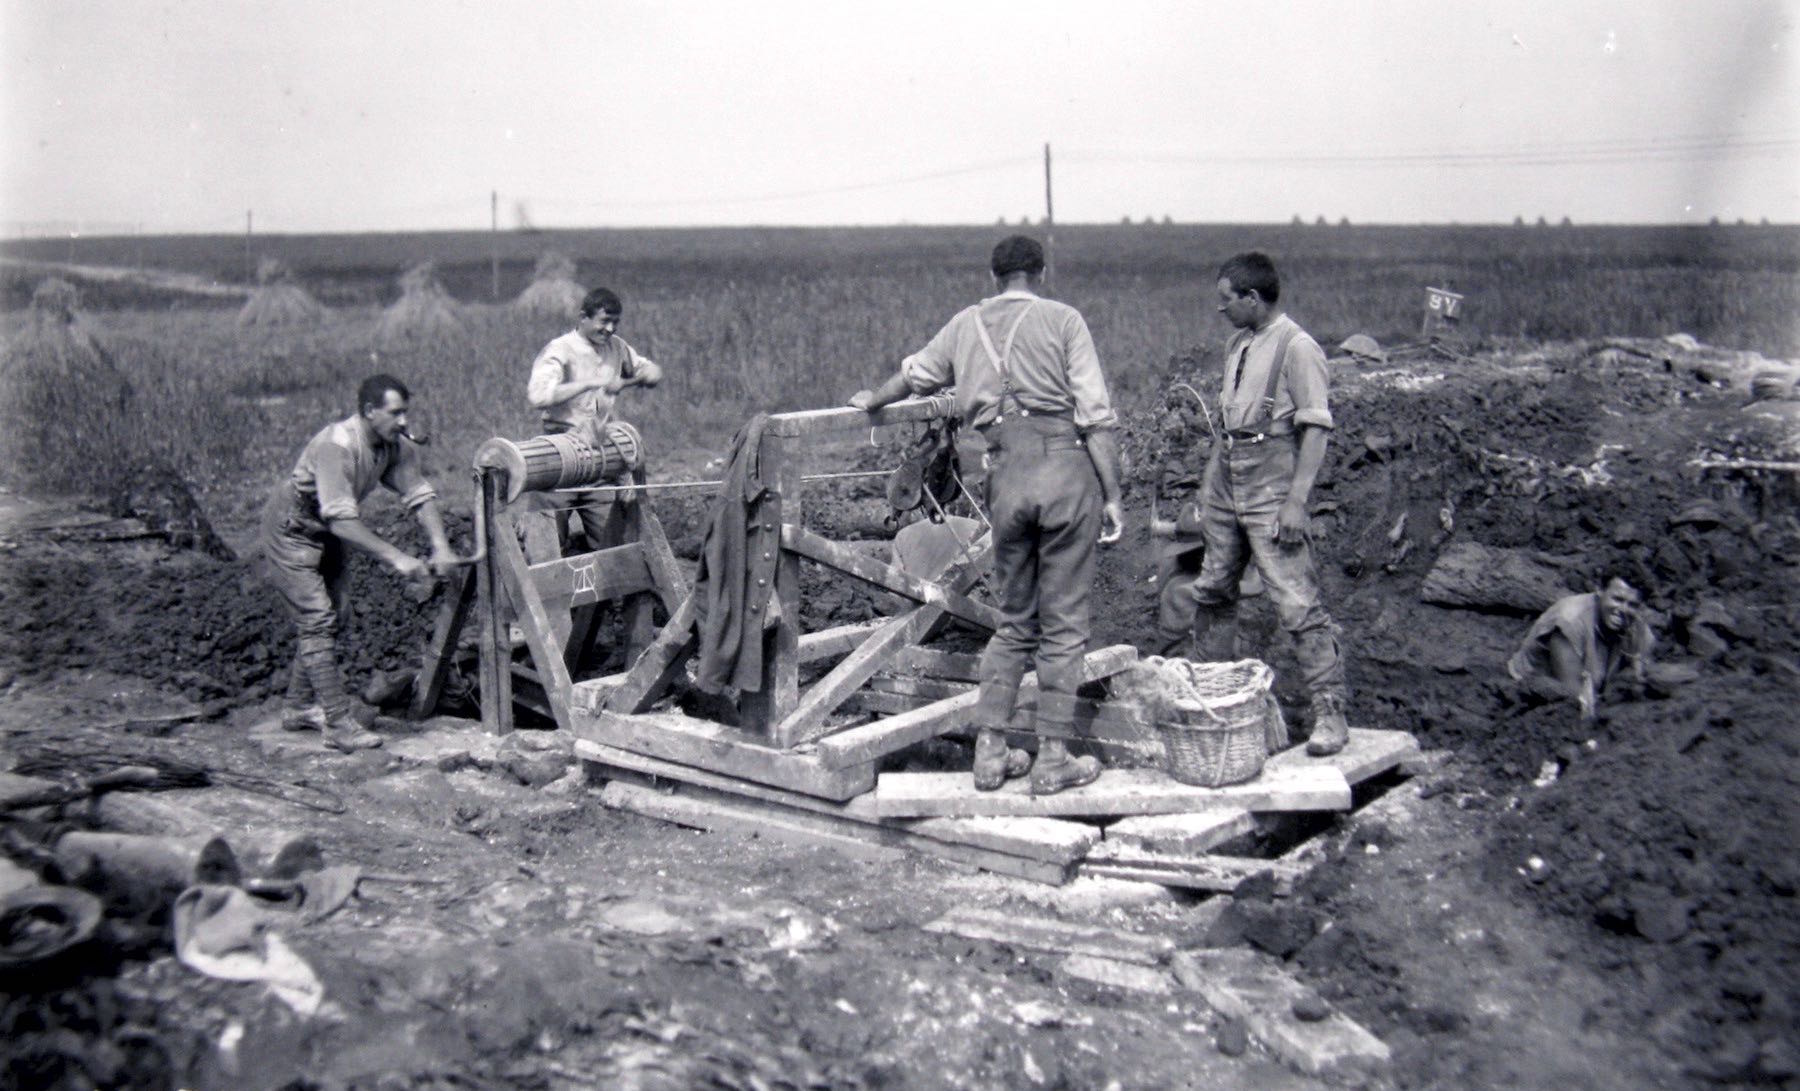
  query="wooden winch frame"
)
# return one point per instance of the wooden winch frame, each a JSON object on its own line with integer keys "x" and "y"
{"x": 789, "y": 736}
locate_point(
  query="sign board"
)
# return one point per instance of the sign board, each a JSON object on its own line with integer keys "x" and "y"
{"x": 1443, "y": 304}
{"x": 1442, "y": 308}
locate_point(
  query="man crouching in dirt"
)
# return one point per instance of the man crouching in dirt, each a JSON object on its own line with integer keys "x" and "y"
{"x": 1028, "y": 379}
{"x": 1581, "y": 643}
{"x": 1253, "y": 498}
{"x": 574, "y": 383}
{"x": 312, "y": 515}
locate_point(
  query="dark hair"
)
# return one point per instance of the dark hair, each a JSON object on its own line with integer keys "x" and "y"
{"x": 601, "y": 299}
{"x": 1017, "y": 254}
{"x": 373, "y": 390}
{"x": 1607, "y": 578}
{"x": 1253, "y": 272}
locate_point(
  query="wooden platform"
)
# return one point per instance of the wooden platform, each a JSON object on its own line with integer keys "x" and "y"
{"x": 1041, "y": 849}
{"x": 713, "y": 747}
{"x": 1117, "y": 792}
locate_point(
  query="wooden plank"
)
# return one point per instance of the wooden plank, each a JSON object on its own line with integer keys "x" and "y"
{"x": 1047, "y": 839}
{"x": 1180, "y": 834}
{"x": 540, "y": 636}
{"x": 1119, "y": 975}
{"x": 1117, "y": 792}
{"x": 1253, "y": 989}
{"x": 1050, "y": 934}
{"x": 665, "y": 571}
{"x": 809, "y": 718}
{"x": 815, "y": 422}
{"x": 494, "y": 675}
{"x": 440, "y": 652}
{"x": 584, "y": 578}
{"x": 861, "y": 744}
{"x": 1220, "y": 873}
{"x": 764, "y": 709}
{"x": 703, "y": 815}
{"x": 928, "y": 688}
{"x": 836, "y": 642}
{"x": 932, "y": 663}
{"x": 1112, "y": 730}
{"x": 707, "y": 745}
{"x": 660, "y": 663}
{"x": 707, "y": 809}
{"x": 815, "y": 547}
{"x": 1369, "y": 753}
{"x": 966, "y": 666}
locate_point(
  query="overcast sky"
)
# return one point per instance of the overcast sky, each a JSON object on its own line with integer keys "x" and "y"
{"x": 180, "y": 115}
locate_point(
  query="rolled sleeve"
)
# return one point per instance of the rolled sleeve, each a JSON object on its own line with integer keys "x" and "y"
{"x": 546, "y": 375}
{"x": 407, "y": 478}
{"x": 1093, "y": 405}
{"x": 645, "y": 370}
{"x": 1308, "y": 381}
{"x": 933, "y": 367}
{"x": 331, "y": 477}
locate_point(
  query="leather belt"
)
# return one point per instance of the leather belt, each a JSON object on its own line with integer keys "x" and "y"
{"x": 1232, "y": 439}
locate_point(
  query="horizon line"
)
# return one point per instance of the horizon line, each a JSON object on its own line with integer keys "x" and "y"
{"x": 1316, "y": 223}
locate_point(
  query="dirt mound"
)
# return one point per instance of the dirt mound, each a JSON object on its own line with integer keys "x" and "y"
{"x": 208, "y": 628}
{"x": 1669, "y": 830}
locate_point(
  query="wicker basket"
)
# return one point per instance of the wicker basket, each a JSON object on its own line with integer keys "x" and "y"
{"x": 1219, "y": 737}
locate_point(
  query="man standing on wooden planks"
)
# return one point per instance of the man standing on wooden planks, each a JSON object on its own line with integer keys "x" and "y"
{"x": 1028, "y": 379}
{"x": 309, "y": 519}
{"x": 575, "y": 381}
{"x": 1275, "y": 422}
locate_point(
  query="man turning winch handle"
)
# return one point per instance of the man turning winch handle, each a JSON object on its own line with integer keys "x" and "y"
{"x": 313, "y": 514}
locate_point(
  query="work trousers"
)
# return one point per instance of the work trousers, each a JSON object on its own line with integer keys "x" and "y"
{"x": 1241, "y": 498}
{"x": 1044, "y": 502}
{"x": 307, "y": 567}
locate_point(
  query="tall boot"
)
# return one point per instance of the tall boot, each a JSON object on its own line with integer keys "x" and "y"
{"x": 994, "y": 760}
{"x": 1330, "y": 731}
{"x": 1055, "y": 768}
{"x": 303, "y": 711}
{"x": 342, "y": 732}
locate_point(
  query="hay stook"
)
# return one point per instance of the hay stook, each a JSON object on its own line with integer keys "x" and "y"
{"x": 424, "y": 311}
{"x": 278, "y": 300}
{"x": 553, "y": 290}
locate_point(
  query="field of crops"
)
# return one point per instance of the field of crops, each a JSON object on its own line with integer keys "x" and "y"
{"x": 747, "y": 319}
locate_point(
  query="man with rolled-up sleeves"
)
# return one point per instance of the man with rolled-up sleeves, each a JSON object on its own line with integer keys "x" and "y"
{"x": 1276, "y": 420}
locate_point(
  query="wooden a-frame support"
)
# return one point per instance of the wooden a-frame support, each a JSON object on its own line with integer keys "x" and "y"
{"x": 634, "y": 566}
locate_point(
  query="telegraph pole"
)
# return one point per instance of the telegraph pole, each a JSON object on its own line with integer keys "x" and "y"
{"x": 249, "y": 266}
{"x": 494, "y": 240}
{"x": 1049, "y": 221}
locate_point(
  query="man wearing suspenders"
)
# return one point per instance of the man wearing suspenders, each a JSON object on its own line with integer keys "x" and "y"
{"x": 1028, "y": 379}
{"x": 1253, "y": 499}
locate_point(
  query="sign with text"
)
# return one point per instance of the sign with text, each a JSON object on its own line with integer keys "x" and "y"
{"x": 1442, "y": 310}
{"x": 1443, "y": 304}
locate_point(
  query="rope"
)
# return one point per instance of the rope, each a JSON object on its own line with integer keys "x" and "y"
{"x": 1205, "y": 410}
{"x": 614, "y": 490}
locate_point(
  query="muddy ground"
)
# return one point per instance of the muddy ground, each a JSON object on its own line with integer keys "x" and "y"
{"x": 1609, "y": 906}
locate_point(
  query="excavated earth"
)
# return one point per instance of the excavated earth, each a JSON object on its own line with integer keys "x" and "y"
{"x": 1610, "y": 905}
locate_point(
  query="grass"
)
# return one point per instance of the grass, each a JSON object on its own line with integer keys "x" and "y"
{"x": 778, "y": 319}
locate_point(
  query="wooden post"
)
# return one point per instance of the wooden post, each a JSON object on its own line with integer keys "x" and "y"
{"x": 763, "y": 711}
{"x": 249, "y": 262}
{"x": 428, "y": 685}
{"x": 496, "y": 648}
{"x": 494, "y": 240}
